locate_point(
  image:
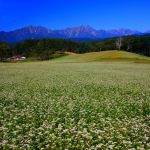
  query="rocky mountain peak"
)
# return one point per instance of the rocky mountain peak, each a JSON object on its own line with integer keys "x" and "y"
{"x": 82, "y": 31}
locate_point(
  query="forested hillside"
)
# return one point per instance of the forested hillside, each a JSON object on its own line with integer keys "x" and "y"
{"x": 44, "y": 49}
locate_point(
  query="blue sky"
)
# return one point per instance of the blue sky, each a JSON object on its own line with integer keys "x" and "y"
{"x": 60, "y": 14}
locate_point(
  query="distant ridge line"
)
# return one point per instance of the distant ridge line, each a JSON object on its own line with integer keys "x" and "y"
{"x": 83, "y": 31}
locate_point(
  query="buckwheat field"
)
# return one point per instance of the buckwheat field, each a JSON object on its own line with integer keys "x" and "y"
{"x": 73, "y": 106}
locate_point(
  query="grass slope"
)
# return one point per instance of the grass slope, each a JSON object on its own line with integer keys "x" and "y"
{"x": 112, "y": 55}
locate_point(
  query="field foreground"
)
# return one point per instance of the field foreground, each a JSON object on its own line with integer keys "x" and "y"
{"x": 74, "y": 105}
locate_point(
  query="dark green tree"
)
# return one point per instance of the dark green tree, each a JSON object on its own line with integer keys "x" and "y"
{"x": 5, "y": 51}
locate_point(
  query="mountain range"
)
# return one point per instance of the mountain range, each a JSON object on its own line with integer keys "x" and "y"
{"x": 79, "y": 32}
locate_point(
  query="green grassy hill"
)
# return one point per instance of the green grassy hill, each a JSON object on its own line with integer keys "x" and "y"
{"x": 112, "y": 55}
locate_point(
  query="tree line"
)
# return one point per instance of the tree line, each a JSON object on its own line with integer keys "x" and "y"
{"x": 44, "y": 49}
{"x": 135, "y": 44}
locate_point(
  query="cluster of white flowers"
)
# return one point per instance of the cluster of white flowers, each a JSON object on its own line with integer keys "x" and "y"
{"x": 88, "y": 106}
